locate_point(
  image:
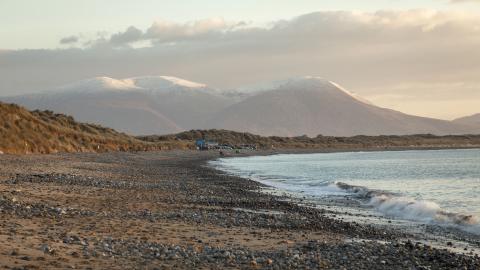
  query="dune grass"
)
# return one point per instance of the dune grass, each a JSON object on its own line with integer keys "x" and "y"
{"x": 323, "y": 142}
{"x": 24, "y": 132}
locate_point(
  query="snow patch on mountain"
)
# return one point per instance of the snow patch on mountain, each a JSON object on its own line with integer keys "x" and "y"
{"x": 143, "y": 83}
{"x": 301, "y": 82}
{"x": 158, "y": 82}
{"x": 354, "y": 95}
{"x": 99, "y": 83}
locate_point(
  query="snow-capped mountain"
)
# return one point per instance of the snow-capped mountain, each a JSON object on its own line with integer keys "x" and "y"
{"x": 312, "y": 106}
{"x": 139, "y": 105}
{"x": 139, "y": 84}
{"x": 296, "y": 106}
{"x": 164, "y": 82}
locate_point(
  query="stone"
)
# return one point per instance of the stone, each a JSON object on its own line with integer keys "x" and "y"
{"x": 47, "y": 249}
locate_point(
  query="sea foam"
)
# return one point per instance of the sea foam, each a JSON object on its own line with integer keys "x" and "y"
{"x": 397, "y": 206}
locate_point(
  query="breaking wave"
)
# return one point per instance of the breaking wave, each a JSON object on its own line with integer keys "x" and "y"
{"x": 394, "y": 205}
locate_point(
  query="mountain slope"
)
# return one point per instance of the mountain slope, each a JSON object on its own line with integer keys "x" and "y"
{"x": 314, "y": 106}
{"x": 140, "y": 105}
{"x": 472, "y": 120}
{"x": 164, "y": 104}
{"x": 185, "y": 103}
{"x": 240, "y": 139}
{"x": 124, "y": 111}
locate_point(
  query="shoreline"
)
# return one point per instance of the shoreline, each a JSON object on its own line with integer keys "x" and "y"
{"x": 155, "y": 210}
{"x": 351, "y": 205}
{"x": 293, "y": 151}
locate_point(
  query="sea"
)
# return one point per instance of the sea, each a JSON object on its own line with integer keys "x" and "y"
{"x": 427, "y": 186}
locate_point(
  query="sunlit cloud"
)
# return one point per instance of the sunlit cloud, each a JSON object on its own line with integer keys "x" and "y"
{"x": 367, "y": 52}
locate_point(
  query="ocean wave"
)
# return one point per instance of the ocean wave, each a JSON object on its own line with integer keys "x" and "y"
{"x": 394, "y": 205}
{"x": 360, "y": 191}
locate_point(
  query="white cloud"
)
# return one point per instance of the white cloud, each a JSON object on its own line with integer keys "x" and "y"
{"x": 132, "y": 34}
{"x": 164, "y": 31}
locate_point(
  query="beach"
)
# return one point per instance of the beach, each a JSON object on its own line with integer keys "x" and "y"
{"x": 163, "y": 210}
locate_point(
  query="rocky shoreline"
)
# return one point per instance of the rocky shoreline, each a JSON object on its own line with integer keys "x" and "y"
{"x": 162, "y": 210}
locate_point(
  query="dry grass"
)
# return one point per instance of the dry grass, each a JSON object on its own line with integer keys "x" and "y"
{"x": 24, "y": 132}
{"x": 323, "y": 142}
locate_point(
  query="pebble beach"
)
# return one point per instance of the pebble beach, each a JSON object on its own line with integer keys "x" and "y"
{"x": 164, "y": 210}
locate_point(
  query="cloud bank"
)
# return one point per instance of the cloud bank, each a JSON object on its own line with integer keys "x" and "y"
{"x": 370, "y": 53}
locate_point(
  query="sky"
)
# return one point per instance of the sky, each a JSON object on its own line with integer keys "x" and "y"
{"x": 419, "y": 57}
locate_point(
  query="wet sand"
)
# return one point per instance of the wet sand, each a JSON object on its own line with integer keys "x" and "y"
{"x": 162, "y": 210}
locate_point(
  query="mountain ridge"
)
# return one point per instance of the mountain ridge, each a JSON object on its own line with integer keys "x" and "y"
{"x": 472, "y": 120}
{"x": 308, "y": 105}
{"x": 315, "y": 106}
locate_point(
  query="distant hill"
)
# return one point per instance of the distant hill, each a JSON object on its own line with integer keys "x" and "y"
{"x": 237, "y": 139}
{"x": 473, "y": 120}
{"x": 23, "y": 132}
{"x": 137, "y": 106}
{"x": 293, "y": 107}
{"x": 313, "y": 106}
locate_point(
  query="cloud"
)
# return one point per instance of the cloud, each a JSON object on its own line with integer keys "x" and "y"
{"x": 69, "y": 40}
{"x": 339, "y": 26}
{"x": 132, "y": 34}
{"x": 162, "y": 31}
{"x": 366, "y": 52}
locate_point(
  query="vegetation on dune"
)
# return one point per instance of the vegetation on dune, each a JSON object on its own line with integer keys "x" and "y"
{"x": 322, "y": 142}
{"x": 23, "y": 132}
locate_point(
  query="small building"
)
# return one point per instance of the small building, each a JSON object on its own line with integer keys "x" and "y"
{"x": 199, "y": 143}
{"x": 203, "y": 144}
